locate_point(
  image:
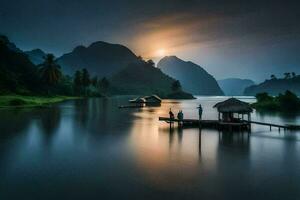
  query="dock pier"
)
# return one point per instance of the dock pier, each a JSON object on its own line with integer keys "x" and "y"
{"x": 216, "y": 124}
{"x": 229, "y": 112}
{"x": 221, "y": 125}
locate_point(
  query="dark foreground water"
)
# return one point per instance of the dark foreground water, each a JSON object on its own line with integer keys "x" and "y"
{"x": 90, "y": 149}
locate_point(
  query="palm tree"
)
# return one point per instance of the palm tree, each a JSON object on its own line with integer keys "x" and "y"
{"x": 50, "y": 71}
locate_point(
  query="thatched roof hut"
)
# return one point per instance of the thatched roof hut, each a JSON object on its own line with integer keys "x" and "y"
{"x": 231, "y": 106}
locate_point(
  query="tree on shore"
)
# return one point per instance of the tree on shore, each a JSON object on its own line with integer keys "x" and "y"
{"x": 273, "y": 77}
{"x": 94, "y": 81}
{"x": 287, "y": 75}
{"x": 176, "y": 86}
{"x": 294, "y": 74}
{"x": 50, "y": 71}
{"x": 104, "y": 85}
{"x": 85, "y": 80}
{"x": 77, "y": 82}
{"x": 151, "y": 63}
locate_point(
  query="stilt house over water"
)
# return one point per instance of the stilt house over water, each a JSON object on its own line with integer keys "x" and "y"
{"x": 153, "y": 99}
{"x": 231, "y": 109}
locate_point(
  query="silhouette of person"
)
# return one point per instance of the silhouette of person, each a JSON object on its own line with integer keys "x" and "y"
{"x": 171, "y": 114}
{"x": 200, "y": 111}
{"x": 180, "y": 117}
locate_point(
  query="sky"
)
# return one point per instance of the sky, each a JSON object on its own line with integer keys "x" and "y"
{"x": 241, "y": 39}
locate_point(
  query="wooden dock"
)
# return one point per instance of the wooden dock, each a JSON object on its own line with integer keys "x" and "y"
{"x": 239, "y": 124}
{"x": 284, "y": 127}
{"x": 207, "y": 123}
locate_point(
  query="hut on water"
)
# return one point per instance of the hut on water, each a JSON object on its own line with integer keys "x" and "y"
{"x": 138, "y": 100}
{"x": 153, "y": 100}
{"x": 231, "y": 109}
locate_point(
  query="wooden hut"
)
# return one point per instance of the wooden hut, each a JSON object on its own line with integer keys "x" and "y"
{"x": 153, "y": 100}
{"x": 231, "y": 109}
{"x": 138, "y": 100}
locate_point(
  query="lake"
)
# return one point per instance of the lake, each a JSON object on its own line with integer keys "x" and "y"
{"x": 91, "y": 149}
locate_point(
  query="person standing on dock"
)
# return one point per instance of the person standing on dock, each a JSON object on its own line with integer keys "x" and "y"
{"x": 171, "y": 114}
{"x": 200, "y": 110}
{"x": 180, "y": 118}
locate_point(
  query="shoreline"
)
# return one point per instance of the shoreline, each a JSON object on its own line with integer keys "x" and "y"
{"x": 20, "y": 101}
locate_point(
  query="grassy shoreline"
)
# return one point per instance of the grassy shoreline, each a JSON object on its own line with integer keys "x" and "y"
{"x": 11, "y": 101}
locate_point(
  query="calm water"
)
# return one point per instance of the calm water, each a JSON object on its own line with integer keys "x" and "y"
{"x": 90, "y": 149}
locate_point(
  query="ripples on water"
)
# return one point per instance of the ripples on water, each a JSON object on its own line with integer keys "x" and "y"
{"x": 91, "y": 149}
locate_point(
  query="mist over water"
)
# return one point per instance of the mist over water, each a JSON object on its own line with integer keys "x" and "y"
{"x": 92, "y": 149}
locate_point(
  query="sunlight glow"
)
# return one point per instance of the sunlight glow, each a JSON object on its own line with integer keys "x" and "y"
{"x": 161, "y": 52}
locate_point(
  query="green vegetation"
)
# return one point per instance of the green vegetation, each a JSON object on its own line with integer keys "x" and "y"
{"x": 83, "y": 85}
{"x": 24, "y": 84}
{"x": 177, "y": 92}
{"x": 176, "y": 86}
{"x": 30, "y": 101}
{"x": 283, "y": 102}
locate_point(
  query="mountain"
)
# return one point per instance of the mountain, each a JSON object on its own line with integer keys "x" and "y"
{"x": 234, "y": 86}
{"x": 141, "y": 78}
{"x": 17, "y": 73}
{"x": 193, "y": 78}
{"x": 11, "y": 46}
{"x": 275, "y": 86}
{"x": 36, "y": 56}
{"x": 100, "y": 58}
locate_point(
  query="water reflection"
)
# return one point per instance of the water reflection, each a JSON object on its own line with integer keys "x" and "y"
{"x": 235, "y": 139}
{"x": 50, "y": 119}
{"x": 116, "y": 151}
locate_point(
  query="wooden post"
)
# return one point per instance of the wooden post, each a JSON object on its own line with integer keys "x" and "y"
{"x": 270, "y": 128}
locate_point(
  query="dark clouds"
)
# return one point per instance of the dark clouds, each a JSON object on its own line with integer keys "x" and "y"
{"x": 235, "y": 32}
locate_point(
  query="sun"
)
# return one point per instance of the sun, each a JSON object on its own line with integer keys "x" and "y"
{"x": 161, "y": 52}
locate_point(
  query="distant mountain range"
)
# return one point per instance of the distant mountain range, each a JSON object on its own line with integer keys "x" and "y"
{"x": 193, "y": 78}
{"x": 127, "y": 73}
{"x": 234, "y": 86}
{"x": 37, "y": 56}
{"x": 275, "y": 86}
{"x": 100, "y": 58}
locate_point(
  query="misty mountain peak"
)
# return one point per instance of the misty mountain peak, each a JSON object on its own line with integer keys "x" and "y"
{"x": 194, "y": 78}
